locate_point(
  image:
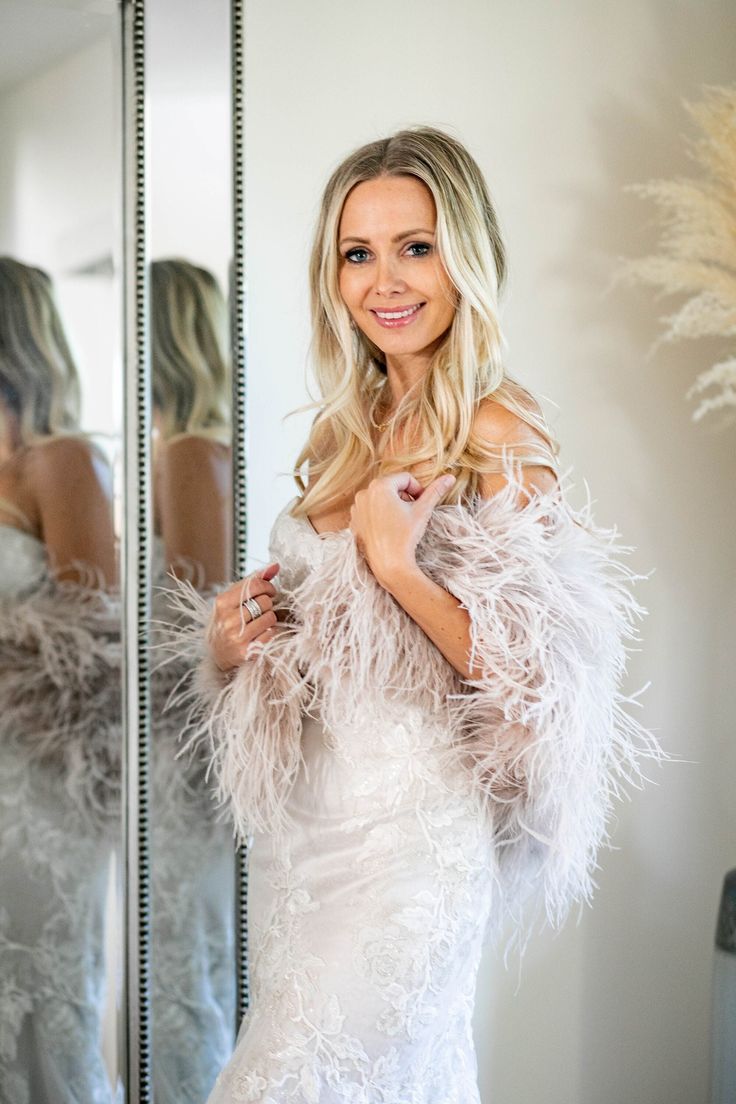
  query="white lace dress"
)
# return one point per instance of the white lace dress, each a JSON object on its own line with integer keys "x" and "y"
{"x": 366, "y": 919}
{"x": 53, "y": 881}
{"x": 397, "y": 816}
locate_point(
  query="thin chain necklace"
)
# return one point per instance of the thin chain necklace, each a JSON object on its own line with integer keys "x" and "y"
{"x": 381, "y": 425}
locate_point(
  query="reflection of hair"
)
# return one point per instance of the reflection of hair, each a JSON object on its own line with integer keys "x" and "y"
{"x": 38, "y": 376}
{"x": 189, "y": 338}
{"x": 467, "y": 366}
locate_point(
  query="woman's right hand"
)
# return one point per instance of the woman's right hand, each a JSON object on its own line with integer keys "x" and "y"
{"x": 232, "y": 630}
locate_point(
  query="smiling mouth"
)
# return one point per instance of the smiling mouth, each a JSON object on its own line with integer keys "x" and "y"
{"x": 401, "y": 316}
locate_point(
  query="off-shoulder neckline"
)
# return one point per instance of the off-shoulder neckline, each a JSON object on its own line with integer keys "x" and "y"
{"x": 305, "y": 520}
{"x": 8, "y": 525}
{"x": 326, "y": 532}
{"x": 473, "y": 506}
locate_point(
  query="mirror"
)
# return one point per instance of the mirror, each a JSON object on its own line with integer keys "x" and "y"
{"x": 193, "y": 969}
{"x": 60, "y": 646}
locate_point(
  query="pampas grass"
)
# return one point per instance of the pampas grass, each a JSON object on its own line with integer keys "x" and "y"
{"x": 697, "y": 248}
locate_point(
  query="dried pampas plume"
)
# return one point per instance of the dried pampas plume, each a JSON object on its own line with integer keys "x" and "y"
{"x": 697, "y": 248}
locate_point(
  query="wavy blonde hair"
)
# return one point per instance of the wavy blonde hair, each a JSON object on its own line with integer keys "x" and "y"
{"x": 190, "y": 366}
{"x": 466, "y": 368}
{"x": 39, "y": 382}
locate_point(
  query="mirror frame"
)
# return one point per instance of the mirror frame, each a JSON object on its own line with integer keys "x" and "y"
{"x": 136, "y": 1054}
{"x": 238, "y": 353}
{"x": 135, "y": 574}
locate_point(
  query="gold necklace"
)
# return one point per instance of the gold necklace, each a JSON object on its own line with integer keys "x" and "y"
{"x": 381, "y": 425}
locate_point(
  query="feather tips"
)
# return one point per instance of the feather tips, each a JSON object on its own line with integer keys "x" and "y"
{"x": 544, "y": 731}
{"x": 543, "y": 737}
{"x": 60, "y": 688}
{"x": 249, "y": 725}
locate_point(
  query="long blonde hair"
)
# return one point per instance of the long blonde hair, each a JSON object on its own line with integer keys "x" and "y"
{"x": 190, "y": 366}
{"x": 39, "y": 382}
{"x": 466, "y": 368}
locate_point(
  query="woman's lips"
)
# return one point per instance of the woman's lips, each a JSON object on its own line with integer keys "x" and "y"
{"x": 399, "y": 316}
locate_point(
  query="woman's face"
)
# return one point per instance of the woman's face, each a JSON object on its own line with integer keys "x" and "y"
{"x": 391, "y": 278}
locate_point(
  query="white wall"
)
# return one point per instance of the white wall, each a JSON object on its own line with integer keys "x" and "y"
{"x": 562, "y": 104}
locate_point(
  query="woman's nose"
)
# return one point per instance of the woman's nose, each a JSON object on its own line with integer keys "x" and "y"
{"x": 388, "y": 277}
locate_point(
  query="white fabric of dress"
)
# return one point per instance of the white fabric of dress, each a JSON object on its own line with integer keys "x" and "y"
{"x": 398, "y": 816}
{"x": 366, "y": 920}
{"x": 53, "y": 880}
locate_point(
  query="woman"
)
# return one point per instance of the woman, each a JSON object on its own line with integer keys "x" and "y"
{"x": 59, "y": 710}
{"x": 192, "y": 887}
{"x": 420, "y": 730}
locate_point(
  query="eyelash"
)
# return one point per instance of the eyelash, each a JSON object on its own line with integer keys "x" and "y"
{"x": 413, "y": 245}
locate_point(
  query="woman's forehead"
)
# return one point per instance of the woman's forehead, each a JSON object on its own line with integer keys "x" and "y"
{"x": 387, "y": 206}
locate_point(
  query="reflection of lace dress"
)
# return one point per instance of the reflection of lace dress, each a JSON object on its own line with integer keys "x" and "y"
{"x": 193, "y": 879}
{"x": 397, "y": 815}
{"x": 53, "y": 880}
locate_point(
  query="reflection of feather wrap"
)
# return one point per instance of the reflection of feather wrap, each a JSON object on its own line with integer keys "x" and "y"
{"x": 60, "y": 696}
{"x": 543, "y": 734}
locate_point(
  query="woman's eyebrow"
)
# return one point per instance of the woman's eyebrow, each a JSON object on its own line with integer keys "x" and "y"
{"x": 396, "y": 238}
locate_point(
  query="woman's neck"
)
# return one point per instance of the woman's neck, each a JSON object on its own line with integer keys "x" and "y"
{"x": 401, "y": 378}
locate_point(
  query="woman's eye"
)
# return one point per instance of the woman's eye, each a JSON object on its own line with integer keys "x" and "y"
{"x": 357, "y": 256}
{"x": 425, "y": 248}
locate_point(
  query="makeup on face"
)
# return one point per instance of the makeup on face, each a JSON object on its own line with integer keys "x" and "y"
{"x": 391, "y": 277}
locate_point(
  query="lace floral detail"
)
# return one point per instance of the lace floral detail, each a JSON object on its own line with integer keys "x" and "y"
{"x": 53, "y": 885}
{"x": 400, "y": 815}
{"x": 367, "y": 918}
{"x": 54, "y": 864}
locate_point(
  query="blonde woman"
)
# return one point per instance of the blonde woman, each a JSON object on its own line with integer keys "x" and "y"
{"x": 413, "y": 711}
{"x": 59, "y": 709}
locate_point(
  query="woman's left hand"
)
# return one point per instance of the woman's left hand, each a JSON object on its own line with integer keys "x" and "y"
{"x": 389, "y": 517}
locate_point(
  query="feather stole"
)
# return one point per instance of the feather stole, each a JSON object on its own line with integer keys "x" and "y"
{"x": 60, "y": 696}
{"x": 544, "y": 733}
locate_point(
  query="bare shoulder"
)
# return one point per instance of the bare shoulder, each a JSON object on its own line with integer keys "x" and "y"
{"x": 191, "y": 465}
{"x": 496, "y": 425}
{"x": 192, "y": 449}
{"x": 62, "y": 460}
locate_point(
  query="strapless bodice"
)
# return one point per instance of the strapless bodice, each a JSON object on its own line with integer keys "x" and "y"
{"x": 297, "y": 546}
{"x": 22, "y": 561}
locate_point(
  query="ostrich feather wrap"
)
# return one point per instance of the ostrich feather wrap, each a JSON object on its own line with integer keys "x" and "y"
{"x": 545, "y": 736}
{"x": 60, "y": 696}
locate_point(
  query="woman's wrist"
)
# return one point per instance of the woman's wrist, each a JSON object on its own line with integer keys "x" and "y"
{"x": 396, "y": 576}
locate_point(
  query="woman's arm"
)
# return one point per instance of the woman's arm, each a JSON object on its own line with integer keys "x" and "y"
{"x": 71, "y": 482}
{"x": 436, "y": 610}
{"x": 194, "y": 492}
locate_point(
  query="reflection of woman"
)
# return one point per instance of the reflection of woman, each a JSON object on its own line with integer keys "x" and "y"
{"x": 191, "y": 400}
{"x": 193, "y": 868}
{"x": 59, "y": 713}
{"x": 435, "y": 729}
